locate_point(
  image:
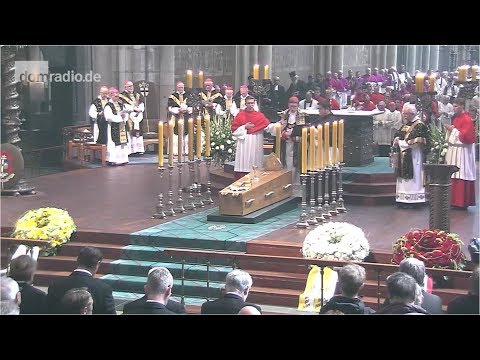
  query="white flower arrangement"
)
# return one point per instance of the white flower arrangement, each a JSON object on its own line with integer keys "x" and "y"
{"x": 48, "y": 223}
{"x": 336, "y": 241}
{"x": 222, "y": 143}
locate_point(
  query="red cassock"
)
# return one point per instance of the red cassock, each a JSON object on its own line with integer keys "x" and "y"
{"x": 255, "y": 117}
{"x": 463, "y": 191}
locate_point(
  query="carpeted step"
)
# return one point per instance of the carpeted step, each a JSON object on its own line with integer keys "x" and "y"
{"x": 66, "y": 263}
{"x": 157, "y": 254}
{"x": 369, "y": 199}
{"x": 191, "y": 271}
{"x": 370, "y": 188}
{"x": 279, "y": 280}
{"x": 273, "y": 296}
{"x": 196, "y": 288}
{"x": 213, "y": 243}
{"x": 109, "y": 251}
{"x": 274, "y": 248}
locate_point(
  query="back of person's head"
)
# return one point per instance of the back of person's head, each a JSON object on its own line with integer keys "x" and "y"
{"x": 77, "y": 301}
{"x": 413, "y": 267}
{"x": 475, "y": 281}
{"x": 23, "y": 268}
{"x": 159, "y": 282}
{"x": 249, "y": 310}
{"x": 474, "y": 249}
{"x": 238, "y": 281}
{"x": 10, "y": 296}
{"x": 401, "y": 288}
{"x": 351, "y": 278}
{"x": 9, "y": 288}
{"x": 9, "y": 307}
{"x": 89, "y": 257}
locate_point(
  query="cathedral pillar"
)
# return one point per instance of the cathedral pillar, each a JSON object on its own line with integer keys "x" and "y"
{"x": 328, "y": 58}
{"x": 382, "y": 59}
{"x": 319, "y": 59}
{"x": 425, "y": 57}
{"x": 164, "y": 76}
{"x": 337, "y": 58}
{"x": 391, "y": 56}
{"x": 434, "y": 52}
{"x": 265, "y": 57}
{"x": 411, "y": 54}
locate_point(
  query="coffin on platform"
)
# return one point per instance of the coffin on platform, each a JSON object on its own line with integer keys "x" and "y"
{"x": 247, "y": 194}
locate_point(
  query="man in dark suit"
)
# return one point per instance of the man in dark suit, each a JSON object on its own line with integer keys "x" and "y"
{"x": 157, "y": 291}
{"x": 277, "y": 95}
{"x": 416, "y": 269}
{"x": 172, "y": 305}
{"x": 88, "y": 261}
{"x": 297, "y": 87}
{"x": 22, "y": 270}
{"x": 237, "y": 286}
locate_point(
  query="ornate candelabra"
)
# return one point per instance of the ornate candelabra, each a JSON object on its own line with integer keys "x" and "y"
{"x": 333, "y": 203}
{"x": 190, "y": 203}
{"x": 10, "y": 120}
{"x": 340, "y": 204}
{"x": 208, "y": 193}
{"x": 319, "y": 217}
{"x": 198, "y": 193}
{"x": 326, "y": 205}
{"x": 302, "y": 223}
{"x": 260, "y": 88}
{"x": 179, "y": 209}
{"x": 144, "y": 91}
{"x": 312, "y": 220}
{"x": 159, "y": 213}
{"x": 170, "y": 211}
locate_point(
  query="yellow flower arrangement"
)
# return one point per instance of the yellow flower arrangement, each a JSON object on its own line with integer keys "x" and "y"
{"x": 48, "y": 223}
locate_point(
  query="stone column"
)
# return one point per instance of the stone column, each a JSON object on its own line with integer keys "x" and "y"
{"x": 418, "y": 59}
{"x": 244, "y": 64}
{"x": 391, "y": 56}
{"x": 328, "y": 58}
{"x": 319, "y": 59}
{"x": 124, "y": 65}
{"x": 337, "y": 58}
{"x": 265, "y": 57}
{"x": 102, "y": 63}
{"x": 85, "y": 91}
{"x": 382, "y": 60}
{"x": 253, "y": 58}
{"x": 434, "y": 51}
{"x": 375, "y": 56}
{"x": 411, "y": 54}
{"x": 163, "y": 76}
{"x": 139, "y": 63}
{"x": 152, "y": 74}
{"x": 425, "y": 57}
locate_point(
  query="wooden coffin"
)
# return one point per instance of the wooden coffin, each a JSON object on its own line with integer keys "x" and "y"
{"x": 247, "y": 195}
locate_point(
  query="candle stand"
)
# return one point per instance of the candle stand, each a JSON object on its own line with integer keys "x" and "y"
{"x": 159, "y": 213}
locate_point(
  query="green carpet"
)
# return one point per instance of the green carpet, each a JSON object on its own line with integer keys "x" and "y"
{"x": 146, "y": 250}
{"x": 380, "y": 165}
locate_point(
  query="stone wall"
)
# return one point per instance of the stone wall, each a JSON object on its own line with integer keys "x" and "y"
{"x": 286, "y": 58}
{"x": 216, "y": 62}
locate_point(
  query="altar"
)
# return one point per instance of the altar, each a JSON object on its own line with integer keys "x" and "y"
{"x": 358, "y": 141}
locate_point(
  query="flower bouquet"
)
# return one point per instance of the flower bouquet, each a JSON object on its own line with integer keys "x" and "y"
{"x": 221, "y": 140}
{"x": 439, "y": 144}
{"x": 436, "y": 248}
{"x": 48, "y": 223}
{"x": 336, "y": 241}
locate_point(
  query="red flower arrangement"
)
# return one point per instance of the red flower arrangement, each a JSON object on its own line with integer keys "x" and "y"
{"x": 436, "y": 248}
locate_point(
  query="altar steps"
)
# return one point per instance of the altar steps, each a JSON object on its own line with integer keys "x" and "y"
{"x": 369, "y": 189}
